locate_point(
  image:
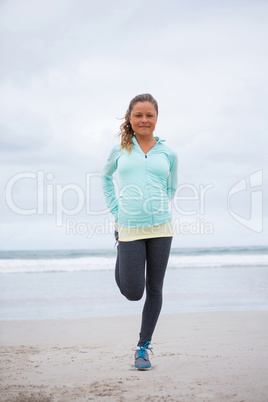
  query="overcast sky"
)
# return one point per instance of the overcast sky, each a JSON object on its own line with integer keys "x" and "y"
{"x": 68, "y": 71}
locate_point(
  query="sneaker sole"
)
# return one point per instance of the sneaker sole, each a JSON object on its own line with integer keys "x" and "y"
{"x": 143, "y": 368}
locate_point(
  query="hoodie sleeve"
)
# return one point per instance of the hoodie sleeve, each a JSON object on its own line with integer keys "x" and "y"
{"x": 172, "y": 177}
{"x": 108, "y": 183}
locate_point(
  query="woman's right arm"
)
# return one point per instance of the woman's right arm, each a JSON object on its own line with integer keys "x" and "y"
{"x": 108, "y": 183}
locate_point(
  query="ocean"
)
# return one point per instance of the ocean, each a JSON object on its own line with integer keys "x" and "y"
{"x": 53, "y": 284}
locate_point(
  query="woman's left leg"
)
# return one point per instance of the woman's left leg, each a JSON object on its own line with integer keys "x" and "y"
{"x": 157, "y": 254}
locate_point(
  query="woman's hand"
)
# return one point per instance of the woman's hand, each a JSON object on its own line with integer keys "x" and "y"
{"x": 116, "y": 235}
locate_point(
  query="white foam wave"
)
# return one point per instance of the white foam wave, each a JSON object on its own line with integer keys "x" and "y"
{"x": 216, "y": 260}
{"x": 99, "y": 263}
{"x": 57, "y": 265}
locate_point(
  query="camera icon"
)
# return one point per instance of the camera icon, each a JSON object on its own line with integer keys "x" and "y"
{"x": 255, "y": 220}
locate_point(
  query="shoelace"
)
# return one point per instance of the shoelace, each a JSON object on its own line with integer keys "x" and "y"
{"x": 142, "y": 349}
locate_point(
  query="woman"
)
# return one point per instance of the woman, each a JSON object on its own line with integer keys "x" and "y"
{"x": 147, "y": 171}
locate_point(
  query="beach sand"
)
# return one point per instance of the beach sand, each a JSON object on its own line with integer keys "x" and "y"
{"x": 217, "y": 356}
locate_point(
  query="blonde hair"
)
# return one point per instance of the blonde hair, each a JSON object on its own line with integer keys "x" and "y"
{"x": 126, "y": 131}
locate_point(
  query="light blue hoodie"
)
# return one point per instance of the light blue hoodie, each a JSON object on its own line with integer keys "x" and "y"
{"x": 147, "y": 183}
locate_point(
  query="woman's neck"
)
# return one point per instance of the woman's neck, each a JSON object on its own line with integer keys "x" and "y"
{"x": 146, "y": 142}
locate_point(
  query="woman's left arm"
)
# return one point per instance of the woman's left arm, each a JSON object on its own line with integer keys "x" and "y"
{"x": 172, "y": 178}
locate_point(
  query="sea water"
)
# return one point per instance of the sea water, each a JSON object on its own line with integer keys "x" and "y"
{"x": 52, "y": 284}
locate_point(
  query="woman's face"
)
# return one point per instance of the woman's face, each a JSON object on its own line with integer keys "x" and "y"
{"x": 143, "y": 118}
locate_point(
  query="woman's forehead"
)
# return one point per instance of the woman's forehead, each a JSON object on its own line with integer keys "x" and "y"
{"x": 144, "y": 106}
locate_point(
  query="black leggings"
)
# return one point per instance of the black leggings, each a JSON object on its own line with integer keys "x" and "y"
{"x": 130, "y": 277}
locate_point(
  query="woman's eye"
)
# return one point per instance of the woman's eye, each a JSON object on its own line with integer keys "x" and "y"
{"x": 139, "y": 115}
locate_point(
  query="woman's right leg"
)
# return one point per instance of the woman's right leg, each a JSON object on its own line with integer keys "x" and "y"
{"x": 130, "y": 268}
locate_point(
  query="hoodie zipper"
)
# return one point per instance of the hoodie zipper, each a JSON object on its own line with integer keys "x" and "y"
{"x": 146, "y": 172}
{"x": 148, "y": 188}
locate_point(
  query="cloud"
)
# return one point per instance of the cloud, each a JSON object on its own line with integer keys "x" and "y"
{"x": 70, "y": 68}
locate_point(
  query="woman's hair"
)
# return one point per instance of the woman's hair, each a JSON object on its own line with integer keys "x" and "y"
{"x": 126, "y": 130}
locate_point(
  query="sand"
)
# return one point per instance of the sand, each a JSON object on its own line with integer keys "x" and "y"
{"x": 218, "y": 356}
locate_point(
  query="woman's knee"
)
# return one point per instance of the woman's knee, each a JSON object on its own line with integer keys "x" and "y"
{"x": 132, "y": 294}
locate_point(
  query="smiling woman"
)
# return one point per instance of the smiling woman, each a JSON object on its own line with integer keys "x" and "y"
{"x": 143, "y": 118}
{"x": 140, "y": 119}
{"x": 147, "y": 182}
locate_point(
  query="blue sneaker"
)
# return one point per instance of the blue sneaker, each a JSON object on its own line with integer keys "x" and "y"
{"x": 142, "y": 361}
